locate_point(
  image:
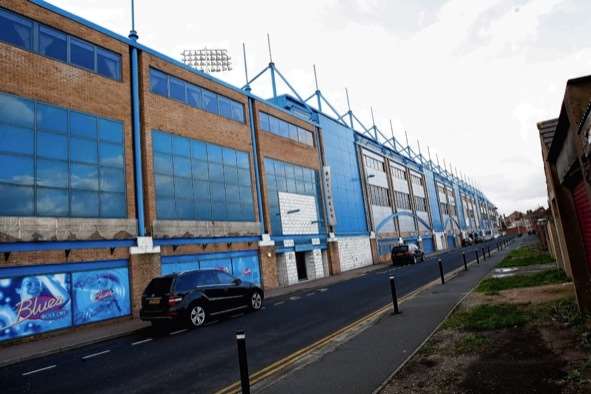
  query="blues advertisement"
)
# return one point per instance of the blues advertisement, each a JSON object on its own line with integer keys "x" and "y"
{"x": 100, "y": 295}
{"x": 247, "y": 268}
{"x": 34, "y": 304}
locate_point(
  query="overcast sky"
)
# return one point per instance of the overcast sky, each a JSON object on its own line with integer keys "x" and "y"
{"x": 468, "y": 78}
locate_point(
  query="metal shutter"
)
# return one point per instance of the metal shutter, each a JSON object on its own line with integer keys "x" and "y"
{"x": 583, "y": 207}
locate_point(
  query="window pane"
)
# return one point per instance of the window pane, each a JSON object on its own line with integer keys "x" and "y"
{"x": 53, "y": 146}
{"x": 283, "y": 129}
{"x": 85, "y": 204}
{"x": 201, "y": 191}
{"x": 15, "y": 169}
{"x": 82, "y": 125}
{"x": 53, "y": 43}
{"x": 229, "y": 156}
{"x": 111, "y": 155}
{"x": 15, "y": 139}
{"x": 200, "y": 169}
{"x": 193, "y": 96}
{"x": 225, "y": 107}
{"x": 16, "y": 30}
{"x": 181, "y": 146}
{"x": 51, "y": 118}
{"x": 244, "y": 177}
{"x": 199, "y": 150}
{"x": 273, "y": 124}
{"x": 110, "y": 130}
{"x": 183, "y": 188}
{"x": 304, "y": 136}
{"x": 162, "y": 163}
{"x": 293, "y": 132}
{"x": 177, "y": 89}
{"x": 216, "y": 172}
{"x": 113, "y": 205}
{"x": 264, "y": 121}
{"x": 112, "y": 180}
{"x": 161, "y": 142}
{"x": 165, "y": 208}
{"x": 237, "y": 112}
{"x": 16, "y": 200}
{"x": 203, "y": 210}
{"x": 83, "y": 150}
{"x": 218, "y": 211}
{"x": 182, "y": 167}
{"x": 108, "y": 64}
{"x": 16, "y": 111}
{"x": 163, "y": 186}
{"x": 246, "y": 195}
{"x": 232, "y": 193}
{"x": 158, "y": 82}
{"x": 234, "y": 211}
{"x": 81, "y": 53}
{"x": 230, "y": 175}
{"x": 184, "y": 209}
{"x": 218, "y": 192}
{"x": 242, "y": 159}
{"x": 210, "y": 102}
{"x": 52, "y": 202}
{"x": 52, "y": 173}
{"x": 84, "y": 177}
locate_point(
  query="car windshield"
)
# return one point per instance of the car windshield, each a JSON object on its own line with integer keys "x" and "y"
{"x": 159, "y": 285}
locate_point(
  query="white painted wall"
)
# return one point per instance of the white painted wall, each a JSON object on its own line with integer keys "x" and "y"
{"x": 314, "y": 266}
{"x": 354, "y": 252}
{"x": 303, "y": 221}
{"x": 287, "y": 270}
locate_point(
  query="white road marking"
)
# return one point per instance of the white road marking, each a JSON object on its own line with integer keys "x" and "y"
{"x": 323, "y": 290}
{"x": 279, "y": 303}
{"x": 142, "y": 341}
{"x": 178, "y": 331}
{"x": 295, "y": 298}
{"x": 95, "y": 354}
{"x": 38, "y": 370}
{"x": 310, "y": 294}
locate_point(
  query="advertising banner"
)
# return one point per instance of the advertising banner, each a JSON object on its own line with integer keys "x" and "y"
{"x": 34, "y": 304}
{"x": 100, "y": 295}
{"x": 247, "y": 269}
{"x": 218, "y": 264}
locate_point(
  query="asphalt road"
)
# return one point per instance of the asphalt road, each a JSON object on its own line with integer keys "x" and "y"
{"x": 205, "y": 360}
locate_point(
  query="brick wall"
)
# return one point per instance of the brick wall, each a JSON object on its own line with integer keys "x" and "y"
{"x": 354, "y": 252}
{"x": 304, "y": 221}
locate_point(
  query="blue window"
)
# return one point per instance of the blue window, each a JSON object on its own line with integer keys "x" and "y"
{"x": 33, "y": 36}
{"x": 284, "y": 129}
{"x": 264, "y": 121}
{"x": 81, "y": 53}
{"x": 195, "y": 180}
{"x": 177, "y": 89}
{"x": 62, "y": 175}
{"x": 185, "y": 92}
{"x": 108, "y": 64}
{"x": 158, "y": 82}
{"x": 16, "y": 30}
{"x": 53, "y": 43}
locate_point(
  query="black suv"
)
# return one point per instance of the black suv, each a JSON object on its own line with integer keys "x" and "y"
{"x": 196, "y": 296}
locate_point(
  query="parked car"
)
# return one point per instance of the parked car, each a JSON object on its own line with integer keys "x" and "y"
{"x": 407, "y": 253}
{"x": 196, "y": 296}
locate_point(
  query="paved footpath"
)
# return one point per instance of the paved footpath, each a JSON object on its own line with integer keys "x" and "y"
{"x": 363, "y": 363}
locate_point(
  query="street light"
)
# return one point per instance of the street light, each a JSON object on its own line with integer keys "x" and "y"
{"x": 208, "y": 60}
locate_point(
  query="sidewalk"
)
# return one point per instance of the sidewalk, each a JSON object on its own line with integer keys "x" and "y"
{"x": 363, "y": 363}
{"x": 12, "y": 354}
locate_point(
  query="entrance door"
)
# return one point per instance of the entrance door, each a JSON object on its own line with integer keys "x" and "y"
{"x": 583, "y": 207}
{"x": 301, "y": 265}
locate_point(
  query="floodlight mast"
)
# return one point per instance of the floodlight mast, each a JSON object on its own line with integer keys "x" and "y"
{"x": 208, "y": 60}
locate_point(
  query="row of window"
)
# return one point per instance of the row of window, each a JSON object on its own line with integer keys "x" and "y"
{"x": 416, "y": 180}
{"x": 421, "y": 204}
{"x": 60, "y": 163}
{"x": 33, "y": 36}
{"x": 379, "y": 195}
{"x": 195, "y": 96}
{"x": 200, "y": 181}
{"x": 398, "y": 173}
{"x": 372, "y": 163}
{"x": 285, "y": 129}
{"x": 402, "y": 200}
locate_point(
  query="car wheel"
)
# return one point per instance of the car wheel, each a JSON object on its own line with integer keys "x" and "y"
{"x": 256, "y": 301}
{"x": 422, "y": 258}
{"x": 414, "y": 259}
{"x": 197, "y": 315}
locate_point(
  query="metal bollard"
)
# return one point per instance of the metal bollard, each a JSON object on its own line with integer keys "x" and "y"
{"x": 394, "y": 295}
{"x": 242, "y": 361}
{"x": 465, "y": 264}
{"x": 483, "y": 254}
{"x": 477, "y": 259}
{"x": 440, "y": 263}
{"x": 488, "y": 248}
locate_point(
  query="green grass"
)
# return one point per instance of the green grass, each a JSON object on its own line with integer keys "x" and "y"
{"x": 493, "y": 285}
{"x": 525, "y": 256}
{"x": 487, "y": 317}
{"x": 472, "y": 343}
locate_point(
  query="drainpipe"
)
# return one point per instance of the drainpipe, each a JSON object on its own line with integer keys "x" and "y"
{"x": 257, "y": 175}
{"x": 137, "y": 148}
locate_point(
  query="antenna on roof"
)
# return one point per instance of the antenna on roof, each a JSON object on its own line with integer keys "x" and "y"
{"x": 429, "y": 153}
{"x": 375, "y": 129}
{"x": 247, "y": 88}
{"x": 132, "y": 33}
{"x": 406, "y": 136}
{"x": 419, "y": 146}
{"x": 349, "y": 106}
{"x": 269, "y": 45}
{"x": 317, "y": 90}
{"x": 392, "y": 131}
{"x": 272, "y": 67}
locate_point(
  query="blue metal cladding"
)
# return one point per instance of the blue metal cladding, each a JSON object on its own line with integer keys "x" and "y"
{"x": 39, "y": 299}
{"x": 459, "y": 206}
{"x": 451, "y": 241}
{"x": 340, "y": 155}
{"x": 428, "y": 245}
{"x": 433, "y": 200}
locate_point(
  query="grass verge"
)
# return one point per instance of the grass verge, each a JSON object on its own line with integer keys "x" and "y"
{"x": 524, "y": 256}
{"x": 494, "y": 285}
{"x": 487, "y": 317}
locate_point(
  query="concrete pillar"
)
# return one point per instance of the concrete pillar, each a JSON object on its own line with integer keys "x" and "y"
{"x": 286, "y": 269}
{"x": 314, "y": 267}
{"x": 373, "y": 243}
{"x": 143, "y": 268}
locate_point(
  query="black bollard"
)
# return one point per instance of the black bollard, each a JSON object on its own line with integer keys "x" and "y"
{"x": 477, "y": 259}
{"x": 394, "y": 295}
{"x": 242, "y": 361}
{"x": 465, "y": 264}
{"x": 439, "y": 262}
{"x": 488, "y": 248}
{"x": 483, "y": 254}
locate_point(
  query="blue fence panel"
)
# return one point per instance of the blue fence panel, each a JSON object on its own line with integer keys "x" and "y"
{"x": 428, "y": 245}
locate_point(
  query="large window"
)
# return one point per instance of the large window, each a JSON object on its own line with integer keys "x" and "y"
{"x": 398, "y": 173}
{"x": 421, "y": 204}
{"x": 289, "y": 178}
{"x": 285, "y": 129}
{"x": 195, "y": 96}
{"x": 56, "y": 162}
{"x": 402, "y": 200}
{"x": 379, "y": 195}
{"x": 374, "y": 164}
{"x": 32, "y": 36}
{"x": 200, "y": 181}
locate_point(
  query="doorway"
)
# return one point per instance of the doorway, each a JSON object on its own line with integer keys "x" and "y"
{"x": 301, "y": 265}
